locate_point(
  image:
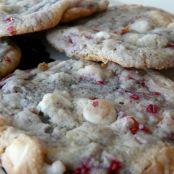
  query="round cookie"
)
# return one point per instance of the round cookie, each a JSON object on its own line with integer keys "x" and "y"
{"x": 130, "y": 35}
{"x": 19, "y": 17}
{"x": 17, "y": 148}
{"x": 10, "y": 56}
{"x": 84, "y": 9}
{"x": 102, "y": 119}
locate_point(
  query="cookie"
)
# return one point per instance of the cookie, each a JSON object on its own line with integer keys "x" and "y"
{"x": 84, "y": 9}
{"x": 10, "y": 56}
{"x": 130, "y": 35}
{"x": 76, "y": 116}
{"x": 16, "y": 150}
{"x": 157, "y": 160}
{"x": 19, "y": 17}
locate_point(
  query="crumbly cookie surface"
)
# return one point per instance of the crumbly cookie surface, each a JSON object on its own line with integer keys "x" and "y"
{"x": 130, "y": 35}
{"x": 10, "y": 56}
{"x": 90, "y": 117}
{"x": 18, "y": 17}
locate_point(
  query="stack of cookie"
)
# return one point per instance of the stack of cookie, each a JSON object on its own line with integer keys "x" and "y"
{"x": 21, "y": 17}
{"x": 106, "y": 113}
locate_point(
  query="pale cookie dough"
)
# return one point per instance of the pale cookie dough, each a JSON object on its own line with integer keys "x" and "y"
{"x": 75, "y": 117}
{"x": 10, "y": 56}
{"x": 21, "y": 16}
{"x": 130, "y": 35}
{"x": 84, "y": 9}
{"x": 157, "y": 160}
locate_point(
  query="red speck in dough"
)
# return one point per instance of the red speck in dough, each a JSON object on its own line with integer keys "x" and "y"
{"x": 135, "y": 126}
{"x": 9, "y": 19}
{"x": 134, "y": 97}
{"x": 100, "y": 82}
{"x": 155, "y": 94}
{"x": 95, "y": 103}
{"x": 92, "y": 98}
{"x": 170, "y": 45}
{"x": 11, "y": 30}
{"x": 145, "y": 129}
{"x": 84, "y": 169}
{"x": 114, "y": 167}
{"x": 152, "y": 108}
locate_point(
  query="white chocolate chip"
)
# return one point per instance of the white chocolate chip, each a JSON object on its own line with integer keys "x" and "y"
{"x": 91, "y": 72}
{"x": 99, "y": 112}
{"x": 22, "y": 155}
{"x": 140, "y": 26}
{"x": 56, "y": 168}
{"x": 102, "y": 35}
{"x": 52, "y": 100}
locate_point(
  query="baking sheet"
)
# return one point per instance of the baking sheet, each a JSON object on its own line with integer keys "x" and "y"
{"x": 167, "y": 5}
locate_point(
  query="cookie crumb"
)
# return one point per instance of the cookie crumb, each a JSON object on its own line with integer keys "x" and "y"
{"x": 125, "y": 30}
{"x": 43, "y": 66}
{"x": 103, "y": 65}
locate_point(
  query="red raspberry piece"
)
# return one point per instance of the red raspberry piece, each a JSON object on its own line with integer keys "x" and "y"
{"x": 145, "y": 129}
{"x": 95, "y": 103}
{"x": 100, "y": 82}
{"x": 155, "y": 94}
{"x": 114, "y": 167}
{"x": 84, "y": 169}
{"x": 152, "y": 108}
{"x": 92, "y": 98}
{"x": 11, "y": 30}
{"x": 135, "y": 126}
{"x": 170, "y": 45}
{"x": 9, "y": 19}
{"x": 134, "y": 97}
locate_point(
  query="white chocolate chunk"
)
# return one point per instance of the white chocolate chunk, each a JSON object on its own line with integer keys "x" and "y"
{"x": 91, "y": 72}
{"x": 56, "y": 168}
{"x": 99, "y": 112}
{"x": 22, "y": 155}
{"x": 51, "y": 101}
{"x": 57, "y": 106}
{"x": 102, "y": 35}
{"x": 140, "y": 26}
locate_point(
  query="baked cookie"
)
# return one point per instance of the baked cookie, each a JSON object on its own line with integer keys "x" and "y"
{"x": 130, "y": 35}
{"x": 10, "y": 56}
{"x": 157, "y": 160}
{"x": 85, "y": 117}
{"x": 22, "y": 154}
{"x": 84, "y": 9}
{"x": 18, "y": 17}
